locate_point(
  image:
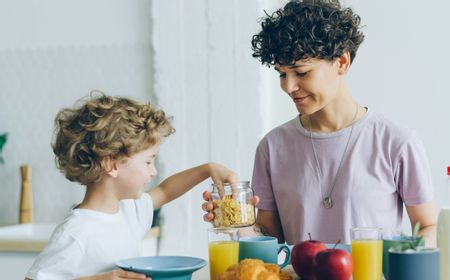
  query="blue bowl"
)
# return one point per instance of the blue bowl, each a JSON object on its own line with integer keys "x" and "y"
{"x": 163, "y": 267}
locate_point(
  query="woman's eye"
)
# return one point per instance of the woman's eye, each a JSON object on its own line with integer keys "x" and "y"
{"x": 282, "y": 75}
{"x": 301, "y": 74}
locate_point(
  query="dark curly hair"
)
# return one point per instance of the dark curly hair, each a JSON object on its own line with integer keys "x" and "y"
{"x": 307, "y": 29}
{"x": 104, "y": 126}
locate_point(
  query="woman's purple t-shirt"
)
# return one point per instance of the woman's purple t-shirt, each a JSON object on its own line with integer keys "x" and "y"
{"x": 384, "y": 167}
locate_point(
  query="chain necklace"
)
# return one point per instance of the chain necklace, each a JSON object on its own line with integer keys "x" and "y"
{"x": 327, "y": 201}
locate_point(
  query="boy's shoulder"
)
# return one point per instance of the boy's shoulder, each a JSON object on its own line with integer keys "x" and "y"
{"x": 139, "y": 210}
{"x": 81, "y": 224}
{"x": 74, "y": 226}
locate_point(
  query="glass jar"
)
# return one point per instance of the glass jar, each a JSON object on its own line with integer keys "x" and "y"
{"x": 233, "y": 207}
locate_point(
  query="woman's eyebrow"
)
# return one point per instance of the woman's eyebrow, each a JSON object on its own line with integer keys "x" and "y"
{"x": 295, "y": 66}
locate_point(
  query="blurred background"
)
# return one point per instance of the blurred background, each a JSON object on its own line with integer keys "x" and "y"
{"x": 193, "y": 58}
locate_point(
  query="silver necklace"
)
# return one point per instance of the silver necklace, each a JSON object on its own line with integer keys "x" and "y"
{"x": 327, "y": 201}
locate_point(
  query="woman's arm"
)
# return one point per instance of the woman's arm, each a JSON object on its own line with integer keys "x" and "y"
{"x": 426, "y": 215}
{"x": 180, "y": 183}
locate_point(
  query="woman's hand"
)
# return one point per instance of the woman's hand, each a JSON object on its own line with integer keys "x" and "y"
{"x": 220, "y": 175}
{"x": 117, "y": 274}
{"x": 208, "y": 206}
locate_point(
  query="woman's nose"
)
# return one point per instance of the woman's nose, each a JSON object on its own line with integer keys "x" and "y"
{"x": 292, "y": 85}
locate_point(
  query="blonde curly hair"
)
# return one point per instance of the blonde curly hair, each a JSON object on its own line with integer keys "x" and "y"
{"x": 104, "y": 126}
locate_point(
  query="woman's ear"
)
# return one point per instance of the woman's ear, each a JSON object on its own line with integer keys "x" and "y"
{"x": 344, "y": 62}
{"x": 110, "y": 166}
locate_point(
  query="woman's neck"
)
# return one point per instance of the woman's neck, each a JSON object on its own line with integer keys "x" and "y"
{"x": 335, "y": 116}
{"x": 100, "y": 197}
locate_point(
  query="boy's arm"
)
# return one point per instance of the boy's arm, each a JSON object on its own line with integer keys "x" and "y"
{"x": 115, "y": 274}
{"x": 178, "y": 184}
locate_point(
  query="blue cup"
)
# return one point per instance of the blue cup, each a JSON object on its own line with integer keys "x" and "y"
{"x": 418, "y": 265}
{"x": 265, "y": 248}
{"x": 389, "y": 243}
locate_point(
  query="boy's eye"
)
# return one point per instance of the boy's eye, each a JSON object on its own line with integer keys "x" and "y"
{"x": 282, "y": 75}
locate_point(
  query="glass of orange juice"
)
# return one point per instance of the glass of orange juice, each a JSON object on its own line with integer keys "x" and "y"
{"x": 367, "y": 253}
{"x": 223, "y": 249}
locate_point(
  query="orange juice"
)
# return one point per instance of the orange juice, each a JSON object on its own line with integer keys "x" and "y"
{"x": 222, "y": 254}
{"x": 367, "y": 259}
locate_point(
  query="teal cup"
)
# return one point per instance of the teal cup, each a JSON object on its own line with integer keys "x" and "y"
{"x": 265, "y": 248}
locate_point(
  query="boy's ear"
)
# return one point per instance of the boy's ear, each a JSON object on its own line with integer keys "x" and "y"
{"x": 344, "y": 62}
{"x": 110, "y": 166}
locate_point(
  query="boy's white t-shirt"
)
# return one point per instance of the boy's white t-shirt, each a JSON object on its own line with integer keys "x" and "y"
{"x": 89, "y": 242}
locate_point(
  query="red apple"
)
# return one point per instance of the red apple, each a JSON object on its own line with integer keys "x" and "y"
{"x": 333, "y": 264}
{"x": 303, "y": 255}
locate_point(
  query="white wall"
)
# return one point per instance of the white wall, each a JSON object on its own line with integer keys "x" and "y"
{"x": 52, "y": 53}
{"x": 66, "y": 23}
{"x": 400, "y": 70}
{"x": 206, "y": 78}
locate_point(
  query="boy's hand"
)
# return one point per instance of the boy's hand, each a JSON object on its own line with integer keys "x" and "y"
{"x": 220, "y": 174}
{"x": 117, "y": 274}
{"x": 208, "y": 206}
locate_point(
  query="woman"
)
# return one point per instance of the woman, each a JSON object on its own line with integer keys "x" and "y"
{"x": 337, "y": 165}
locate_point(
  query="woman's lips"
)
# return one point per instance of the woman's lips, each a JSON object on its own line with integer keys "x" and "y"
{"x": 299, "y": 100}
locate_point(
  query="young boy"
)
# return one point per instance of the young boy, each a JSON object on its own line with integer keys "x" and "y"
{"x": 109, "y": 144}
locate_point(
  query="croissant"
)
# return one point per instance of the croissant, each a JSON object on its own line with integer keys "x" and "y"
{"x": 253, "y": 269}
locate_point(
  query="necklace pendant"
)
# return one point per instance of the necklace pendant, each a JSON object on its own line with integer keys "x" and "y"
{"x": 327, "y": 202}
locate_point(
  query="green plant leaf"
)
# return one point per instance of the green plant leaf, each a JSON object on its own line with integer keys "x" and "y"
{"x": 3, "y": 139}
{"x": 415, "y": 242}
{"x": 416, "y": 229}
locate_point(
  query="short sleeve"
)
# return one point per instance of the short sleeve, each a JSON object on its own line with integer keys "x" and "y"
{"x": 412, "y": 175}
{"x": 58, "y": 260}
{"x": 261, "y": 178}
{"x": 144, "y": 210}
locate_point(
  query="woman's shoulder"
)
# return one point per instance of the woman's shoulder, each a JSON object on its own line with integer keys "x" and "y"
{"x": 381, "y": 121}
{"x": 388, "y": 130}
{"x": 286, "y": 129}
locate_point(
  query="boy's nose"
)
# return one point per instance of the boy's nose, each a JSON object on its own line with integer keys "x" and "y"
{"x": 153, "y": 172}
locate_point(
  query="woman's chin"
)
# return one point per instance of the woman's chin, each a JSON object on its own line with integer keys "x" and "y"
{"x": 304, "y": 110}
